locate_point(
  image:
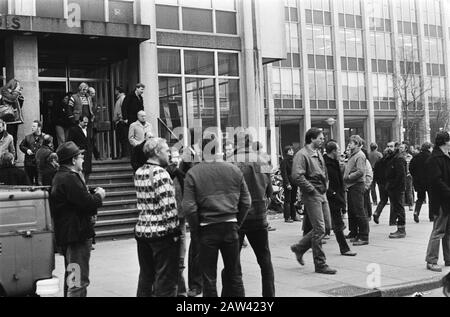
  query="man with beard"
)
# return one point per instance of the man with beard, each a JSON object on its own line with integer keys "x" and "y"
{"x": 395, "y": 186}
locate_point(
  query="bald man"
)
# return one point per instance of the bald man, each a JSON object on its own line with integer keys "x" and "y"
{"x": 139, "y": 132}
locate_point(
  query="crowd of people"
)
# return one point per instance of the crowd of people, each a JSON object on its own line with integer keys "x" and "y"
{"x": 221, "y": 194}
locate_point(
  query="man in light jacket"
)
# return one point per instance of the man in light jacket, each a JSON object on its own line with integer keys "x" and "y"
{"x": 139, "y": 132}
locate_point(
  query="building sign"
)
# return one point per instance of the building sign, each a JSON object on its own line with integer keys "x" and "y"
{"x": 14, "y": 23}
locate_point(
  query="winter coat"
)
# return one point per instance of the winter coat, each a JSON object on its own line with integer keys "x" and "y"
{"x": 41, "y": 161}
{"x": 355, "y": 171}
{"x": 395, "y": 173}
{"x": 418, "y": 171}
{"x": 13, "y": 176}
{"x": 31, "y": 142}
{"x": 379, "y": 171}
{"x": 336, "y": 191}
{"x": 286, "y": 171}
{"x": 72, "y": 207}
{"x": 7, "y": 144}
{"x": 131, "y": 105}
{"x": 77, "y": 135}
{"x": 437, "y": 168}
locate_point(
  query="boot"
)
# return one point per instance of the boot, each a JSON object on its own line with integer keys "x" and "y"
{"x": 400, "y": 233}
{"x": 417, "y": 211}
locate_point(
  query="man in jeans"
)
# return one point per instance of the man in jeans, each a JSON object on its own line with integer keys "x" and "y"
{"x": 216, "y": 201}
{"x": 354, "y": 178}
{"x": 310, "y": 174}
{"x": 438, "y": 170}
{"x": 158, "y": 228}
{"x": 336, "y": 195}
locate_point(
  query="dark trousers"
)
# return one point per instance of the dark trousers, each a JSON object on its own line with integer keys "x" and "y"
{"x": 397, "y": 198}
{"x": 409, "y": 191}
{"x": 373, "y": 192}
{"x": 32, "y": 174}
{"x": 383, "y": 199}
{"x": 122, "y": 138}
{"x": 318, "y": 211}
{"x": 195, "y": 282}
{"x": 421, "y": 196}
{"x": 338, "y": 226}
{"x": 367, "y": 203}
{"x": 159, "y": 267}
{"x": 182, "y": 292}
{"x": 290, "y": 198}
{"x": 357, "y": 218}
{"x": 441, "y": 232}
{"x": 223, "y": 237}
{"x": 258, "y": 237}
{"x": 76, "y": 262}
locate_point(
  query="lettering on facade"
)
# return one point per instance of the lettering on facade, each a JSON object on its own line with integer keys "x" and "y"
{"x": 74, "y": 15}
{"x": 10, "y": 23}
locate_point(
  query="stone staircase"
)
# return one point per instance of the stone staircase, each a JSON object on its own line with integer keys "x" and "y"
{"x": 118, "y": 215}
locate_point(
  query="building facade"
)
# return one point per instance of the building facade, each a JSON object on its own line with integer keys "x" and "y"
{"x": 201, "y": 60}
{"x": 377, "y": 68}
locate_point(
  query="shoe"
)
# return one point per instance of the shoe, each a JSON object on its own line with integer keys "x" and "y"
{"x": 271, "y": 228}
{"x": 325, "y": 270}
{"x": 298, "y": 255}
{"x": 349, "y": 253}
{"x": 416, "y": 218}
{"x": 350, "y": 236}
{"x": 360, "y": 243}
{"x": 193, "y": 293}
{"x": 289, "y": 220}
{"x": 354, "y": 239}
{"x": 376, "y": 218}
{"x": 399, "y": 234}
{"x": 434, "y": 267}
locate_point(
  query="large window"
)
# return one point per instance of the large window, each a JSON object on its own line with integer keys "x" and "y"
{"x": 353, "y": 91}
{"x": 204, "y": 94}
{"x": 383, "y": 92}
{"x": 321, "y": 89}
{"x": 197, "y": 16}
{"x": 286, "y": 88}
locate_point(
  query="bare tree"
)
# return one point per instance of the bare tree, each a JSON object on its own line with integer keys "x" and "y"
{"x": 441, "y": 121}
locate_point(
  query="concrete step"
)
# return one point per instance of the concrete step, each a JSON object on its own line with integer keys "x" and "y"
{"x": 115, "y": 170}
{"x": 120, "y": 195}
{"x": 117, "y": 214}
{"x": 118, "y": 205}
{"x": 114, "y": 234}
{"x": 113, "y": 223}
{"x": 117, "y": 187}
{"x": 110, "y": 179}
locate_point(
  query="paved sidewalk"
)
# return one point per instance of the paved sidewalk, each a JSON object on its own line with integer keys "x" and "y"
{"x": 114, "y": 265}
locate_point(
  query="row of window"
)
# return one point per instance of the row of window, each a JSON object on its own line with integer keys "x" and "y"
{"x": 195, "y": 20}
{"x": 291, "y": 14}
{"x": 320, "y": 62}
{"x": 206, "y": 4}
{"x": 382, "y": 66}
{"x": 432, "y": 30}
{"x": 380, "y": 24}
{"x": 435, "y": 69}
{"x": 354, "y": 105}
{"x": 350, "y": 21}
{"x": 318, "y": 17}
{"x": 409, "y": 68}
{"x": 407, "y": 27}
{"x": 352, "y": 63}
{"x": 288, "y": 103}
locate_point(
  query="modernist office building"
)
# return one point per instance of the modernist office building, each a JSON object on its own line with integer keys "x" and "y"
{"x": 201, "y": 60}
{"x": 360, "y": 64}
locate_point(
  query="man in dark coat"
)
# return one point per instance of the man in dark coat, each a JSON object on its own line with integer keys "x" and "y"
{"x": 336, "y": 196}
{"x": 42, "y": 155}
{"x": 290, "y": 189}
{"x": 132, "y": 104}
{"x": 10, "y": 174}
{"x": 379, "y": 176}
{"x": 81, "y": 136}
{"x": 395, "y": 186}
{"x": 438, "y": 171}
{"x": 72, "y": 207}
{"x": 418, "y": 172}
{"x": 29, "y": 146}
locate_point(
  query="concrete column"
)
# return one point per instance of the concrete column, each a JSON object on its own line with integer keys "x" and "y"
{"x": 271, "y": 115}
{"x": 371, "y": 135}
{"x": 148, "y": 64}
{"x": 22, "y": 63}
{"x": 252, "y": 74}
{"x": 337, "y": 129}
{"x": 424, "y": 99}
{"x": 445, "y": 34}
{"x": 304, "y": 71}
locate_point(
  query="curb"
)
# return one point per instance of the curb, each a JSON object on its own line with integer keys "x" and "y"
{"x": 405, "y": 289}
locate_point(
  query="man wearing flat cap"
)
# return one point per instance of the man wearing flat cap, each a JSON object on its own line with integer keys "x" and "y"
{"x": 72, "y": 207}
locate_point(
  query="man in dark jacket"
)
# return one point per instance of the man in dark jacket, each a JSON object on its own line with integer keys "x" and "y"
{"x": 132, "y": 104}
{"x": 395, "y": 186}
{"x": 42, "y": 155}
{"x": 29, "y": 146}
{"x": 290, "y": 189}
{"x": 336, "y": 195}
{"x": 72, "y": 207}
{"x": 255, "y": 226}
{"x": 418, "y": 172}
{"x": 379, "y": 176}
{"x": 216, "y": 201}
{"x": 10, "y": 174}
{"x": 81, "y": 136}
{"x": 438, "y": 171}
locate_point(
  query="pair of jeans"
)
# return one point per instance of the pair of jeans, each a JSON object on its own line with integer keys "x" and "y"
{"x": 441, "y": 231}
{"x": 195, "y": 282}
{"x": 357, "y": 218}
{"x": 338, "y": 226}
{"x": 182, "y": 292}
{"x": 76, "y": 261}
{"x": 396, "y": 198}
{"x": 223, "y": 237}
{"x": 159, "y": 267}
{"x": 367, "y": 203}
{"x": 318, "y": 211}
{"x": 373, "y": 192}
{"x": 290, "y": 198}
{"x": 258, "y": 237}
